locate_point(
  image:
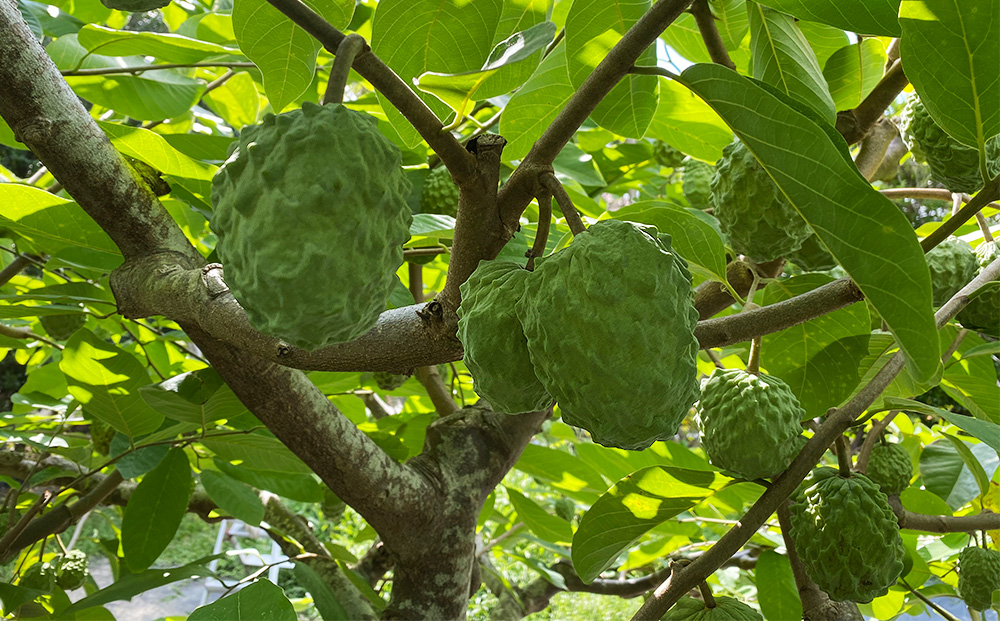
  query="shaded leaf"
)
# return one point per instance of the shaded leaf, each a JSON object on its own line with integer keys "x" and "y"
{"x": 233, "y": 497}
{"x": 776, "y": 591}
{"x": 688, "y": 124}
{"x": 853, "y": 71}
{"x": 533, "y": 107}
{"x": 539, "y": 521}
{"x": 874, "y": 17}
{"x": 261, "y": 601}
{"x": 155, "y": 510}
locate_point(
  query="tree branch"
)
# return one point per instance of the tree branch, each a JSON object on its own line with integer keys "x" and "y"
{"x": 985, "y": 196}
{"x": 943, "y": 523}
{"x": 14, "y": 268}
{"x": 400, "y": 95}
{"x": 710, "y": 34}
{"x": 874, "y": 147}
{"x": 711, "y": 297}
{"x": 145, "y": 68}
{"x": 854, "y": 124}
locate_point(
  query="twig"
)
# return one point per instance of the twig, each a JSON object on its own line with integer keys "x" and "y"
{"x": 144, "y": 68}
{"x": 542, "y": 233}
{"x": 145, "y": 352}
{"x": 510, "y": 532}
{"x": 26, "y": 334}
{"x": 938, "y": 194}
{"x": 15, "y": 530}
{"x": 985, "y": 196}
{"x": 425, "y": 252}
{"x": 843, "y": 456}
{"x": 217, "y": 82}
{"x": 347, "y": 51}
{"x": 878, "y": 428}
{"x": 753, "y": 362}
{"x": 714, "y": 357}
{"x": 941, "y": 611}
{"x": 984, "y": 227}
{"x": 710, "y": 34}
{"x": 874, "y": 147}
{"x": 14, "y": 268}
{"x": 573, "y": 219}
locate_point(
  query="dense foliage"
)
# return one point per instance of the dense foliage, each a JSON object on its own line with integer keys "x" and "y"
{"x": 605, "y": 202}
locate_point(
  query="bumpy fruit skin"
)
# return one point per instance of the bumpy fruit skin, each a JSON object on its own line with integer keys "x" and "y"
{"x": 666, "y": 155}
{"x": 978, "y": 576}
{"x": 389, "y": 381}
{"x": 439, "y": 194}
{"x": 566, "y": 509}
{"x": 496, "y": 350}
{"x": 983, "y": 312}
{"x": 61, "y": 327}
{"x": 40, "y": 576}
{"x": 696, "y": 182}
{"x": 952, "y": 264}
{"x": 812, "y": 257}
{"x": 311, "y": 215}
{"x": 135, "y": 6}
{"x": 72, "y": 570}
{"x": 726, "y": 609}
{"x": 889, "y": 466}
{"x": 101, "y": 434}
{"x": 846, "y": 535}
{"x": 750, "y": 424}
{"x": 952, "y": 164}
{"x": 755, "y": 216}
{"x": 610, "y": 326}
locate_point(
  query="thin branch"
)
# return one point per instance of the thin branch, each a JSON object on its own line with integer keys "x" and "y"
{"x": 710, "y": 34}
{"x": 14, "y": 268}
{"x": 369, "y": 66}
{"x": 542, "y": 232}
{"x": 217, "y": 82}
{"x": 874, "y": 147}
{"x": 425, "y": 252}
{"x": 341, "y": 71}
{"x": 983, "y": 226}
{"x": 144, "y": 68}
{"x": 573, "y": 219}
{"x": 26, "y": 335}
{"x": 854, "y": 124}
{"x": 943, "y": 523}
{"x": 939, "y": 194}
{"x": 941, "y": 611}
{"x": 988, "y": 194}
{"x": 878, "y": 428}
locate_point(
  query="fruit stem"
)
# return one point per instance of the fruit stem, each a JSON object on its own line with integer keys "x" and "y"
{"x": 753, "y": 364}
{"x": 844, "y": 456}
{"x": 341, "y": 71}
{"x": 569, "y": 211}
{"x": 706, "y": 594}
{"x": 542, "y": 233}
{"x": 984, "y": 227}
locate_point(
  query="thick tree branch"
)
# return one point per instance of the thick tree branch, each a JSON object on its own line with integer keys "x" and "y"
{"x": 943, "y": 523}
{"x": 874, "y": 147}
{"x": 14, "y": 268}
{"x": 710, "y": 34}
{"x": 370, "y": 67}
{"x": 854, "y": 124}
{"x": 784, "y": 484}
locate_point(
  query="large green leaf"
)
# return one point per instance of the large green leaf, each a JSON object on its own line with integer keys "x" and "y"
{"x": 148, "y": 96}
{"x": 776, "y": 591}
{"x": 943, "y": 471}
{"x": 732, "y": 22}
{"x": 631, "y": 508}
{"x": 824, "y": 40}
{"x": 260, "y": 600}
{"x": 688, "y": 124}
{"x": 950, "y": 54}
{"x": 539, "y": 521}
{"x": 444, "y": 36}
{"x": 533, "y": 107}
{"x": 782, "y": 58}
{"x": 258, "y": 452}
{"x": 284, "y": 53}
{"x": 593, "y": 27}
{"x": 233, "y": 497}
{"x": 853, "y": 71}
{"x": 166, "y": 47}
{"x": 987, "y": 432}
{"x": 867, "y": 235}
{"x": 516, "y": 16}
{"x": 875, "y": 17}
{"x": 972, "y": 381}
{"x": 155, "y": 510}
{"x": 106, "y": 380}
{"x": 692, "y": 237}
{"x": 819, "y": 359}
{"x": 565, "y": 471}
{"x": 153, "y": 149}
{"x": 197, "y": 397}
{"x": 236, "y": 101}
{"x": 49, "y": 223}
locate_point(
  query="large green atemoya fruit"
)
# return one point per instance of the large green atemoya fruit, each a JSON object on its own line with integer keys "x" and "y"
{"x": 750, "y": 424}
{"x": 983, "y": 311}
{"x": 439, "y": 193}
{"x": 311, "y": 215}
{"x": 696, "y": 182}
{"x": 40, "y": 576}
{"x": 952, "y": 164}
{"x": 754, "y": 214}
{"x": 725, "y": 609}
{"x": 610, "y": 326}
{"x": 978, "y": 576}
{"x": 496, "y": 350}
{"x": 889, "y": 466}
{"x": 952, "y": 264}
{"x": 846, "y": 535}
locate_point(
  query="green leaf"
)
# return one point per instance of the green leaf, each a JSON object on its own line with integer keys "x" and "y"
{"x": 867, "y": 235}
{"x": 324, "y": 598}
{"x": 970, "y": 461}
{"x": 257, "y": 451}
{"x": 972, "y": 381}
{"x": 535, "y": 105}
{"x": 106, "y": 380}
{"x": 853, "y": 71}
{"x": 197, "y": 397}
{"x": 818, "y": 359}
{"x": 233, "y": 497}
{"x": 732, "y": 22}
{"x": 154, "y": 150}
{"x": 236, "y": 101}
{"x": 539, "y": 521}
{"x": 684, "y": 37}
{"x": 692, "y": 238}
{"x": 949, "y": 56}
{"x": 632, "y": 507}
{"x": 459, "y": 90}
{"x": 574, "y": 164}
{"x": 782, "y": 58}
{"x": 873, "y": 17}
{"x": 566, "y": 472}
{"x": 985, "y": 431}
{"x": 284, "y": 53}
{"x": 923, "y": 501}
{"x": 776, "y": 591}
{"x": 688, "y": 124}
{"x": 155, "y": 510}
{"x": 444, "y": 36}
{"x": 261, "y": 600}
{"x": 166, "y": 47}
{"x": 49, "y": 223}
{"x": 300, "y": 487}
{"x": 824, "y": 40}
{"x": 943, "y": 471}
{"x": 148, "y": 96}
{"x": 593, "y": 27}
